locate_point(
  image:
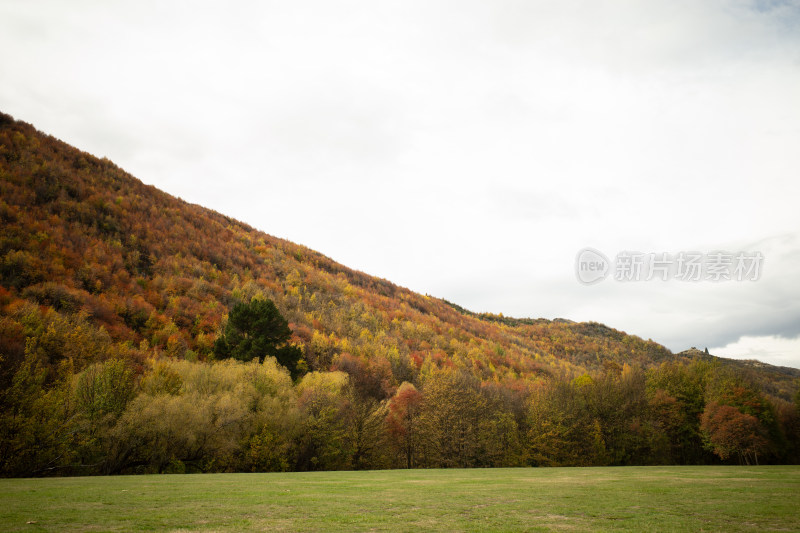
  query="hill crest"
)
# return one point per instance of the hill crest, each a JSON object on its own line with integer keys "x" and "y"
{"x": 82, "y": 233}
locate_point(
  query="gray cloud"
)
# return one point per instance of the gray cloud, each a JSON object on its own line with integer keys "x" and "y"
{"x": 466, "y": 150}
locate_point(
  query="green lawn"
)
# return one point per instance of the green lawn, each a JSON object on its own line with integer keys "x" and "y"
{"x": 763, "y": 498}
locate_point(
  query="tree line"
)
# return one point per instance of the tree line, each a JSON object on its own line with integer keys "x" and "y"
{"x": 116, "y": 415}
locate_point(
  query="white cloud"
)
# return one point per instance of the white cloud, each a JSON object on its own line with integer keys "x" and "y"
{"x": 777, "y": 350}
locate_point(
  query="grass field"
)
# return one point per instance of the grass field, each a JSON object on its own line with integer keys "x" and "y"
{"x": 573, "y": 499}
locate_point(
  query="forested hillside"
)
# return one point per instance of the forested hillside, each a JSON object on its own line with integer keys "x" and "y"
{"x": 114, "y": 303}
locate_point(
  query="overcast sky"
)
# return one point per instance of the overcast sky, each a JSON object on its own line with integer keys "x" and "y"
{"x": 466, "y": 150}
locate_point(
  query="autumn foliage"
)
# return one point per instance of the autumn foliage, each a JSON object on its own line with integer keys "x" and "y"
{"x": 121, "y": 351}
{"x": 731, "y": 432}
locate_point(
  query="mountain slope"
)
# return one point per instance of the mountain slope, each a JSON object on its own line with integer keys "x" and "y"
{"x": 113, "y": 293}
{"x": 81, "y": 234}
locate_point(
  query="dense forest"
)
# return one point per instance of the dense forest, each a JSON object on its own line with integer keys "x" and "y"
{"x": 140, "y": 333}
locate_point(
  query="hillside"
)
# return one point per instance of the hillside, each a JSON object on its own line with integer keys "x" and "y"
{"x": 97, "y": 268}
{"x": 81, "y": 234}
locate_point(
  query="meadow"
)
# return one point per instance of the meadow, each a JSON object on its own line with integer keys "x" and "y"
{"x": 706, "y": 498}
